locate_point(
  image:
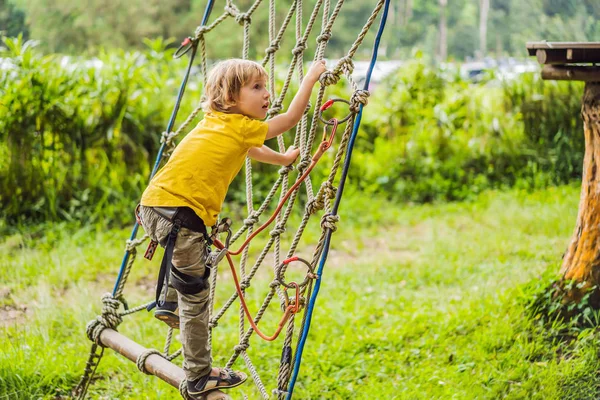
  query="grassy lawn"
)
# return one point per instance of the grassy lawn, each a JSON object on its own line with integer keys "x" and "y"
{"x": 420, "y": 302}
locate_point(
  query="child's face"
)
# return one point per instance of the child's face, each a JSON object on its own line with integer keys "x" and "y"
{"x": 253, "y": 100}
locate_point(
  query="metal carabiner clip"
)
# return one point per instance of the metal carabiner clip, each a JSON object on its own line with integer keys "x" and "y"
{"x": 185, "y": 47}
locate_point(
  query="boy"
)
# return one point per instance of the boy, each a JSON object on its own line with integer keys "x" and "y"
{"x": 190, "y": 189}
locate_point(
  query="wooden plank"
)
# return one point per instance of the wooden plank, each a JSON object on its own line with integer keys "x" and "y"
{"x": 571, "y": 73}
{"x": 155, "y": 364}
{"x": 533, "y": 46}
{"x": 568, "y": 56}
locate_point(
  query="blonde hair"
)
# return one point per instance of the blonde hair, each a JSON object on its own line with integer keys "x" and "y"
{"x": 225, "y": 81}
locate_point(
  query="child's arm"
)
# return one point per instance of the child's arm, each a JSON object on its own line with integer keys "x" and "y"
{"x": 289, "y": 119}
{"x": 266, "y": 155}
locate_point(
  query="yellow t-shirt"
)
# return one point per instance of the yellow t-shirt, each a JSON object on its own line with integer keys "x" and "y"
{"x": 204, "y": 163}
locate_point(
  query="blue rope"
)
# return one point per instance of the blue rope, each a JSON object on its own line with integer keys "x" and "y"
{"x": 338, "y": 198}
{"x": 159, "y": 156}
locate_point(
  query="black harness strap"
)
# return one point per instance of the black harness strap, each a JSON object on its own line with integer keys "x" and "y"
{"x": 166, "y": 265}
{"x": 184, "y": 217}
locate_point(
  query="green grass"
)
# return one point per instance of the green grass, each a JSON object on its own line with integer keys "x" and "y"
{"x": 419, "y": 302}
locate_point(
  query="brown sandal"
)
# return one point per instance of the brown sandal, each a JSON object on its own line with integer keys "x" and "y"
{"x": 227, "y": 379}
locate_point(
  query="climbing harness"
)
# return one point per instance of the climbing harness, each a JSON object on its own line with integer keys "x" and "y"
{"x": 326, "y": 199}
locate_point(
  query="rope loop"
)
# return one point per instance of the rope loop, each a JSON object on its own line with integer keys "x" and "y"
{"x": 141, "y": 360}
{"x": 359, "y": 97}
{"x": 329, "y": 221}
{"x": 110, "y": 318}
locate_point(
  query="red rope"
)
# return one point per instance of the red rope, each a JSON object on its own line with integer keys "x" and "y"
{"x": 290, "y": 308}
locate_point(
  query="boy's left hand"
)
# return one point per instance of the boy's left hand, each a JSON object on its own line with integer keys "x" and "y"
{"x": 290, "y": 155}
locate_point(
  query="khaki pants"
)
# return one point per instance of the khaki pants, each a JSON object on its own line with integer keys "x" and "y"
{"x": 189, "y": 257}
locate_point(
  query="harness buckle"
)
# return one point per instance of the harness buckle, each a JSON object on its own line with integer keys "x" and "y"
{"x": 151, "y": 250}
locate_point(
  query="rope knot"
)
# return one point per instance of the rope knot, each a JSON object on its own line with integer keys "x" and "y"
{"x": 275, "y": 109}
{"x": 243, "y": 18}
{"x": 232, "y": 10}
{"x": 273, "y": 47}
{"x": 346, "y": 65}
{"x": 130, "y": 245}
{"x": 329, "y": 78}
{"x": 286, "y": 170}
{"x": 329, "y": 221}
{"x": 279, "y": 229}
{"x": 241, "y": 347}
{"x": 251, "y": 220}
{"x": 200, "y": 31}
{"x": 110, "y": 318}
{"x": 359, "y": 97}
{"x": 245, "y": 284}
{"x": 304, "y": 163}
{"x": 213, "y": 324}
{"x": 324, "y": 37}
{"x": 141, "y": 360}
{"x": 300, "y": 47}
{"x": 275, "y": 284}
{"x": 315, "y": 205}
{"x": 167, "y": 138}
{"x": 329, "y": 190}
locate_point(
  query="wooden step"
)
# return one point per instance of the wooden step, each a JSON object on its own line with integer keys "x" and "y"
{"x": 155, "y": 364}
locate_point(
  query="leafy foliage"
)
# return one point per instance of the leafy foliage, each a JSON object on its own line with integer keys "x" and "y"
{"x": 80, "y": 135}
{"x": 74, "y": 26}
{"x": 433, "y": 136}
{"x": 77, "y": 135}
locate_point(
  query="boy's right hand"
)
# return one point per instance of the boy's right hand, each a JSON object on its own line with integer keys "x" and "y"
{"x": 316, "y": 69}
{"x": 290, "y": 156}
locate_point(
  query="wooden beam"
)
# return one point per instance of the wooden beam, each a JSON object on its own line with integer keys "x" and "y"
{"x": 568, "y": 56}
{"x": 155, "y": 364}
{"x": 571, "y": 73}
{"x": 533, "y": 46}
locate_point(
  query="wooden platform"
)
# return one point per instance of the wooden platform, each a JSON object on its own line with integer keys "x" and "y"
{"x": 155, "y": 364}
{"x": 565, "y": 52}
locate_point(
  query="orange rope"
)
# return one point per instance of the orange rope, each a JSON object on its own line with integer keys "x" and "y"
{"x": 291, "y": 308}
{"x": 323, "y": 147}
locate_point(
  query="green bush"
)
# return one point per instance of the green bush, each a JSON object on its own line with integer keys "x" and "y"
{"x": 79, "y": 137}
{"x": 428, "y": 137}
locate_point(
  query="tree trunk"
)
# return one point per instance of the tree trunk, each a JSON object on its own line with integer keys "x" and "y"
{"x": 581, "y": 262}
{"x": 442, "y": 52}
{"x": 484, "y": 8}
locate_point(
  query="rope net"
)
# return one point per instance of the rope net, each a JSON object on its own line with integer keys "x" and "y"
{"x": 287, "y": 188}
